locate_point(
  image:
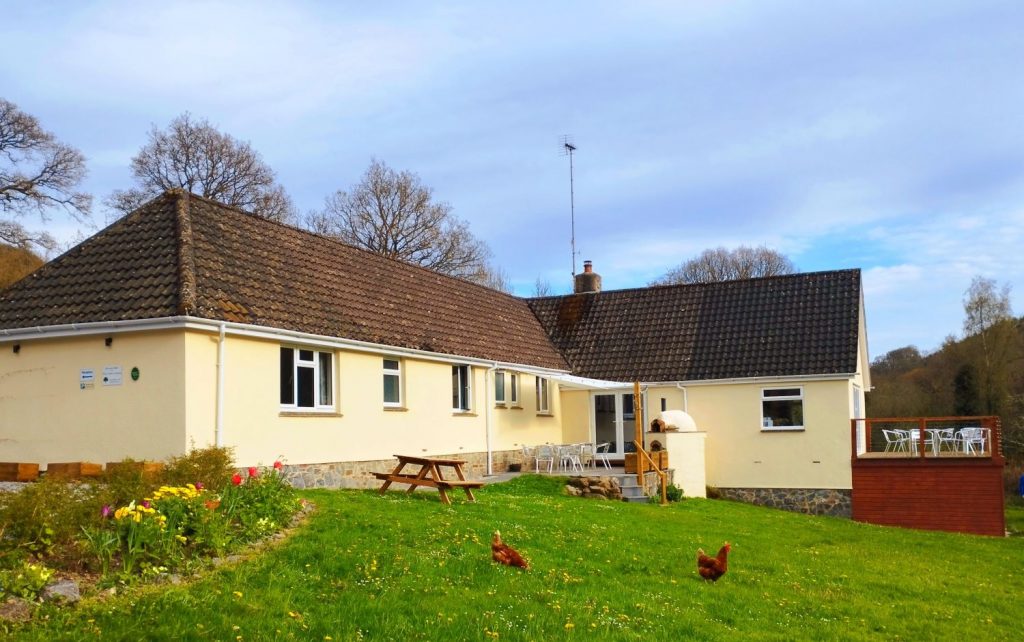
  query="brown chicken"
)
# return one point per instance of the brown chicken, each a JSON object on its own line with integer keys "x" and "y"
{"x": 504, "y": 554}
{"x": 712, "y": 568}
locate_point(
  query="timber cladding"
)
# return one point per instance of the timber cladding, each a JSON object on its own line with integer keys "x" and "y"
{"x": 963, "y": 496}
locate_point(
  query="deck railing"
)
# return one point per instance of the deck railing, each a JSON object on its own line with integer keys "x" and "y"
{"x": 926, "y": 437}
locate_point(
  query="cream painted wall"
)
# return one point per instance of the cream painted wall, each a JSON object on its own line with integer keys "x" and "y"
{"x": 45, "y": 415}
{"x": 740, "y": 455}
{"x": 361, "y": 429}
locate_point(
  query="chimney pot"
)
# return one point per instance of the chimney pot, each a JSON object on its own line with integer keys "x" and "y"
{"x": 588, "y": 266}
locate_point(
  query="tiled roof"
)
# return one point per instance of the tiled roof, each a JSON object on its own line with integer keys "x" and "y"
{"x": 802, "y": 324}
{"x": 183, "y": 254}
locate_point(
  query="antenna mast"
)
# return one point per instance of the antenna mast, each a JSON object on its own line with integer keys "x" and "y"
{"x": 567, "y": 149}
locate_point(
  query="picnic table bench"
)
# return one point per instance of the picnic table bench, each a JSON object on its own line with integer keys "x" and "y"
{"x": 429, "y": 475}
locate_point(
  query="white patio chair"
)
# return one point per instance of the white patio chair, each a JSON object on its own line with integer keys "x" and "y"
{"x": 601, "y": 455}
{"x": 569, "y": 458}
{"x": 528, "y": 452}
{"x": 895, "y": 441}
{"x": 945, "y": 437}
{"x": 587, "y": 455}
{"x": 972, "y": 439}
{"x": 544, "y": 453}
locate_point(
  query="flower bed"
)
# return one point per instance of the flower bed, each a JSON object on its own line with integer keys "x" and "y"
{"x": 135, "y": 524}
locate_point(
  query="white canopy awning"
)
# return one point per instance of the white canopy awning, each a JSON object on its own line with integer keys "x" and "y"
{"x": 583, "y": 383}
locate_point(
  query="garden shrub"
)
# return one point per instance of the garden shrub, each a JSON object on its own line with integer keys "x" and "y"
{"x": 212, "y": 466}
{"x": 46, "y": 517}
{"x": 126, "y": 482}
{"x": 674, "y": 493}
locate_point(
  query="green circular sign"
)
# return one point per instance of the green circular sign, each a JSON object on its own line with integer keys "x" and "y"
{"x": 135, "y": 374}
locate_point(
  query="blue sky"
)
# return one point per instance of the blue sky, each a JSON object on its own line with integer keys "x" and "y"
{"x": 884, "y": 136}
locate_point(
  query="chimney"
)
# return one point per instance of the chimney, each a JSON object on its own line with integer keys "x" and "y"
{"x": 588, "y": 281}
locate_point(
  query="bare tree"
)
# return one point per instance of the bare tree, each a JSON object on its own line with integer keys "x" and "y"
{"x": 541, "y": 287}
{"x": 192, "y": 154}
{"x": 393, "y": 214}
{"x": 38, "y": 174}
{"x": 721, "y": 264}
{"x": 987, "y": 315}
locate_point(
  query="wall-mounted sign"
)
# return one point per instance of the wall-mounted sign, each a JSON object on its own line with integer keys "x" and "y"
{"x": 135, "y": 374}
{"x": 86, "y": 378}
{"x": 112, "y": 375}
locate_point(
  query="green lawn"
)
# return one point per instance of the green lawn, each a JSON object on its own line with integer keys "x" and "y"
{"x": 404, "y": 567}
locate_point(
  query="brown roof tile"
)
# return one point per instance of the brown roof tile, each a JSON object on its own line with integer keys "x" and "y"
{"x": 802, "y": 324}
{"x": 182, "y": 254}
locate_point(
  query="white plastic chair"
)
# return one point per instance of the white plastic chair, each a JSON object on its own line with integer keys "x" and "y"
{"x": 601, "y": 455}
{"x": 895, "y": 441}
{"x": 972, "y": 439}
{"x": 945, "y": 437}
{"x": 527, "y": 456}
{"x": 587, "y": 455}
{"x": 544, "y": 452}
{"x": 569, "y": 457}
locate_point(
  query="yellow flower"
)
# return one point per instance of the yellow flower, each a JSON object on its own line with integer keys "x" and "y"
{"x": 237, "y": 594}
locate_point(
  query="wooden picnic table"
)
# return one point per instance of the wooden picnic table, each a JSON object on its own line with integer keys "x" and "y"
{"x": 429, "y": 475}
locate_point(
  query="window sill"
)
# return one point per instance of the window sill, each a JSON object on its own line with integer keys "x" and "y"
{"x": 784, "y": 429}
{"x": 456, "y": 413}
{"x": 501, "y": 406}
{"x": 308, "y": 413}
{"x": 515, "y": 407}
{"x": 545, "y": 414}
{"x": 395, "y": 409}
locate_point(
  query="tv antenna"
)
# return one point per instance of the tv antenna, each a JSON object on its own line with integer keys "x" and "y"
{"x": 567, "y": 150}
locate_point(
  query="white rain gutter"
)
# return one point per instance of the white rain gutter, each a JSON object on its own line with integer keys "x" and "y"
{"x": 219, "y": 430}
{"x": 248, "y": 330}
{"x": 686, "y": 399}
{"x": 489, "y": 376}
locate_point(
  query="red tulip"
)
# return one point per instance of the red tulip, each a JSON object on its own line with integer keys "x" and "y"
{"x": 236, "y": 479}
{"x": 253, "y": 471}
{"x": 278, "y": 465}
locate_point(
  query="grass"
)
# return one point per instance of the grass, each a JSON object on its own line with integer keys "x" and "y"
{"x": 405, "y": 567}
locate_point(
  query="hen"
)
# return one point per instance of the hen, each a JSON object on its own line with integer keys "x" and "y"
{"x": 712, "y": 568}
{"x": 504, "y": 554}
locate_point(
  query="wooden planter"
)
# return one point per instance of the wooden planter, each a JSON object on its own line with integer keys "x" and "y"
{"x": 74, "y": 470}
{"x": 660, "y": 458}
{"x": 15, "y": 472}
{"x": 147, "y": 468}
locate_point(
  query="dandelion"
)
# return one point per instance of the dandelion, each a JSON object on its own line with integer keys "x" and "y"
{"x": 237, "y": 594}
{"x": 236, "y": 479}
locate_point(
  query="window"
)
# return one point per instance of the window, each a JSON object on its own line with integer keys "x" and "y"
{"x": 782, "y": 408}
{"x": 513, "y": 388}
{"x": 499, "y": 388}
{"x": 542, "y": 395}
{"x": 392, "y": 383}
{"x": 461, "y": 388}
{"x": 307, "y": 378}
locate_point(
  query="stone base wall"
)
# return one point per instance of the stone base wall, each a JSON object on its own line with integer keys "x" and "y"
{"x": 812, "y": 501}
{"x": 594, "y": 487}
{"x": 359, "y": 474}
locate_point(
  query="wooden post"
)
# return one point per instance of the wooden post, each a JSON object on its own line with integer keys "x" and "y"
{"x": 639, "y": 421}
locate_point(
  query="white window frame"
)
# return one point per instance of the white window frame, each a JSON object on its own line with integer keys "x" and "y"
{"x": 797, "y": 397}
{"x": 513, "y": 389}
{"x": 314, "y": 365}
{"x": 462, "y": 391}
{"x": 499, "y": 388}
{"x": 392, "y": 372}
{"x": 543, "y": 387}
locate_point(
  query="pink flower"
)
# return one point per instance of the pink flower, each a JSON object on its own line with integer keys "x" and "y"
{"x": 236, "y": 479}
{"x": 253, "y": 471}
{"x": 199, "y": 485}
{"x": 106, "y": 511}
{"x": 145, "y": 503}
{"x": 278, "y": 465}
